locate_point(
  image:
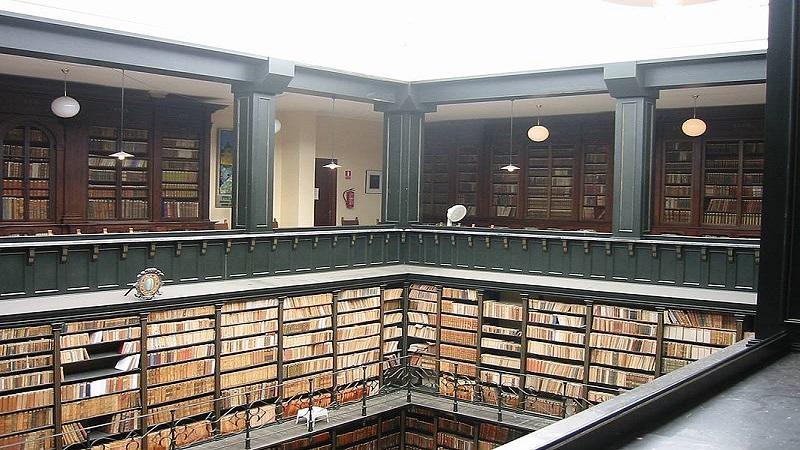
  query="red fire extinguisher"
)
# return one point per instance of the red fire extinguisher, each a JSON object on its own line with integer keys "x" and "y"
{"x": 349, "y": 198}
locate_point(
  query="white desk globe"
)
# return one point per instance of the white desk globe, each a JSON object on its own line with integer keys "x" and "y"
{"x": 455, "y": 213}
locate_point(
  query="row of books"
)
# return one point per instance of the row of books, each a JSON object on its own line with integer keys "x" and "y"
{"x": 14, "y": 209}
{"x": 10, "y": 150}
{"x": 180, "y": 209}
{"x": 173, "y": 176}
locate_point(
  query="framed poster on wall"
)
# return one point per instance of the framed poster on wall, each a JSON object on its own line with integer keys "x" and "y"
{"x": 374, "y": 182}
{"x": 225, "y": 146}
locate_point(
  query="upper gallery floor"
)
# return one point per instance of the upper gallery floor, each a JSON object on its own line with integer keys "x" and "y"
{"x": 228, "y": 151}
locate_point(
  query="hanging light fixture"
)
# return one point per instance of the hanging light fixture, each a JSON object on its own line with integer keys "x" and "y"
{"x": 538, "y": 132}
{"x": 332, "y": 165}
{"x": 65, "y": 106}
{"x": 511, "y": 167}
{"x": 121, "y": 154}
{"x": 694, "y": 127}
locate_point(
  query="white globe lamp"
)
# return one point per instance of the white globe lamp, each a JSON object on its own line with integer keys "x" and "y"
{"x": 65, "y": 106}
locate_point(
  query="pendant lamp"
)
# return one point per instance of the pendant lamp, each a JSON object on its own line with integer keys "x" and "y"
{"x": 332, "y": 165}
{"x": 538, "y": 132}
{"x": 121, "y": 154}
{"x": 694, "y": 127}
{"x": 65, "y": 106}
{"x": 511, "y": 167}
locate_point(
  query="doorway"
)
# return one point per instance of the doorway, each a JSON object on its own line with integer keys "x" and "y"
{"x": 325, "y": 195}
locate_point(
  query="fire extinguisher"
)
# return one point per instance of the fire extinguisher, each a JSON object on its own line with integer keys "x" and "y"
{"x": 349, "y": 197}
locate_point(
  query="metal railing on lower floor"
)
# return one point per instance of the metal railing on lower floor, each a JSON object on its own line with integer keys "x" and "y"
{"x": 289, "y": 406}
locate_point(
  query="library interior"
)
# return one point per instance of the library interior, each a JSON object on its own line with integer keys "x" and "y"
{"x": 207, "y": 249}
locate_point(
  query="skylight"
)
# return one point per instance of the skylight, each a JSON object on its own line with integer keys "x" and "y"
{"x": 419, "y": 39}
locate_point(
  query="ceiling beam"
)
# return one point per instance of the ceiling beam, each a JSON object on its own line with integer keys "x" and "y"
{"x": 740, "y": 68}
{"x": 508, "y": 86}
{"x": 330, "y": 83}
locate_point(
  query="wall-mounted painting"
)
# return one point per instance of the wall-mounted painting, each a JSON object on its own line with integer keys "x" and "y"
{"x": 225, "y": 146}
{"x": 374, "y": 182}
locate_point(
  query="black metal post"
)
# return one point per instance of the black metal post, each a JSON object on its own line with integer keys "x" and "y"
{"x": 499, "y": 404}
{"x": 310, "y": 418}
{"x": 408, "y": 386}
{"x": 455, "y": 388}
{"x": 247, "y": 416}
{"x": 172, "y": 436}
{"x": 364, "y": 390}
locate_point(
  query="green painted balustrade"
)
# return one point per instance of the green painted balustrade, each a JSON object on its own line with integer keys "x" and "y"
{"x": 65, "y": 264}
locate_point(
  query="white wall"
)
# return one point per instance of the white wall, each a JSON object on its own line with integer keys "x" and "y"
{"x": 358, "y": 146}
{"x": 294, "y": 170}
{"x": 305, "y": 136}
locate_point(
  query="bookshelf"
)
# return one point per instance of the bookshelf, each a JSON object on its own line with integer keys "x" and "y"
{"x": 551, "y": 181}
{"x": 561, "y": 184}
{"x": 390, "y": 432}
{"x": 118, "y": 189}
{"x": 393, "y": 300}
{"x": 458, "y": 336}
{"x": 596, "y": 203}
{"x": 358, "y": 438}
{"x": 27, "y": 162}
{"x": 501, "y": 345}
{"x": 423, "y": 321}
{"x": 556, "y": 350}
{"x": 248, "y": 362}
{"x": 453, "y": 434}
{"x": 181, "y": 363}
{"x": 678, "y": 182}
{"x": 491, "y": 436}
{"x": 181, "y": 178}
{"x": 27, "y": 387}
{"x": 435, "y": 198}
{"x": 467, "y": 178}
{"x": 691, "y": 335}
{"x": 308, "y": 329}
{"x": 99, "y": 394}
{"x": 420, "y": 429}
{"x": 358, "y": 340}
{"x": 623, "y": 344}
{"x": 504, "y": 185}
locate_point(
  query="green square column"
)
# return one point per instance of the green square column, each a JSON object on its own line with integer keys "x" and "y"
{"x": 402, "y": 164}
{"x": 254, "y": 128}
{"x": 633, "y": 151}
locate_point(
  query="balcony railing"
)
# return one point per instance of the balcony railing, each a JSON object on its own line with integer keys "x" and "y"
{"x": 62, "y": 264}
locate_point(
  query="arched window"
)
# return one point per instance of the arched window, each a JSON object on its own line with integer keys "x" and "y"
{"x": 28, "y": 170}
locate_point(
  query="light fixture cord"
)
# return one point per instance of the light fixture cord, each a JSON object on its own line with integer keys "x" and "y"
{"x": 511, "y": 135}
{"x": 694, "y": 113}
{"x": 333, "y": 129}
{"x": 538, "y": 114}
{"x": 122, "y": 112}
{"x": 65, "y": 71}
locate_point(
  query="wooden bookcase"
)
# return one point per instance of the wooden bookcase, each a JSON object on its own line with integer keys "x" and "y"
{"x": 72, "y": 183}
{"x": 562, "y": 183}
{"x": 710, "y": 185}
{"x": 27, "y": 159}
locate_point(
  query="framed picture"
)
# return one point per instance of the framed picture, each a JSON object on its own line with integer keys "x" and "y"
{"x": 225, "y": 147}
{"x": 374, "y": 182}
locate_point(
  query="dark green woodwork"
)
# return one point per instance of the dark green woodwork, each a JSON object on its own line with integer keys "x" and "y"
{"x": 77, "y": 267}
{"x": 402, "y": 156}
{"x": 675, "y": 263}
{"x": 633, "y": 151}
{"x": 50, "y": 267}
{"x": 254, "y": 128}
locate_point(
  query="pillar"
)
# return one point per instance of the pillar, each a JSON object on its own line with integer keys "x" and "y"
{"x": 633, "y": 154}
{"x": 633, "y": 150}
{"x": 254, "y": 128}
{"x": 402, "y": 164}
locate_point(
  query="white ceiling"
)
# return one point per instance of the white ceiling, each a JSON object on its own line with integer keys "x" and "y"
{"x": 289, "y": 102}
{"x": 425, "y": 39}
